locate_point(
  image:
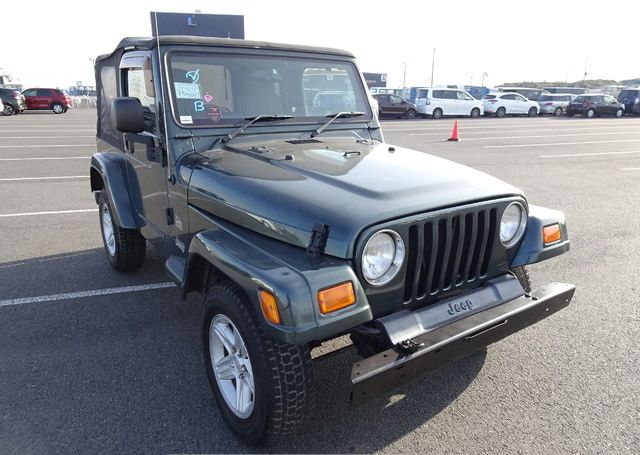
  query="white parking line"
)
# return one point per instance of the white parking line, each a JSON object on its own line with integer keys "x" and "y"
{"x": 57, "y": 258}
{"x": 566, "y": 155}
{"x": 552, "y": 130}
{"x": 44, "y": 137}
{"x": 32, "y": 130}
{"x": 22, "y": 179}
{"x": 56, "y": 212}
{"x": 45, "y": 146}
{"x": 630, "y": 169}
{"x": 549, "y": 135}
{"x": 83, "y": 294}
{"x": 48, "y": 158}
{"x": 555, "y": 144}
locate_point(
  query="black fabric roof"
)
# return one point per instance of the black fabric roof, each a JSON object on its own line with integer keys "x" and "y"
{"x": 149, "y": 43}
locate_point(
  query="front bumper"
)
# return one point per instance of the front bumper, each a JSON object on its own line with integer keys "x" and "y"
{"x": 436, "y": 347}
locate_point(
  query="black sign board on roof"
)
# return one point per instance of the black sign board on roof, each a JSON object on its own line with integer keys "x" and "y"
{"x": 375, "y": 79}
{"x": 196, "y": 24}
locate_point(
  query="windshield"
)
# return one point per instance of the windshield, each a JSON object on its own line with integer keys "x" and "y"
{"x": 220, "y": 89}
{"x": 627, "y": 94}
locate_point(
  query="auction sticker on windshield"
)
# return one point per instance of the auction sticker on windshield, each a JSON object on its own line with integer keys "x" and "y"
{"x": 187, "y": 91}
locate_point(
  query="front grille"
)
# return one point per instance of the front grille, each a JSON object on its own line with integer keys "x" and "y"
{"x": 449, "y": 252}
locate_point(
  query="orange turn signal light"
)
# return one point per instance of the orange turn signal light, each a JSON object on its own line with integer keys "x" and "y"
{"x": 336, "y": 297}
{"x": 269, "y": 307}
{"x": 551, "y": 234}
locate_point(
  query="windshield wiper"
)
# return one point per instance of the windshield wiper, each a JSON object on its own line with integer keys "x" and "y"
{"x": 335, "y": 117}
{"x": 252, "y": 120}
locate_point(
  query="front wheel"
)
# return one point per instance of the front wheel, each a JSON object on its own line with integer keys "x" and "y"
{"x": 557, "y": 112}
{"x": 125, "y": 248}
{"x": 619, "y": 113}
{"x": 262, "y": 386}
{"x": 591, "y": 113}
{"x": 533, "y": 112}
{"x": 8, "y": 110}
{"x": 475, "y": 112}
{"x": 411, "y": 114}
{"x": 521, "y": 273}
{"x": 57, "y": 108}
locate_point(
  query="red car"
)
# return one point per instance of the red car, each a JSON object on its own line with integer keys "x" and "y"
{"x": 47, "y": 98}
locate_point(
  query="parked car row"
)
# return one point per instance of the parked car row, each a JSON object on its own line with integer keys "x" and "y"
{"x": 440, "y": 102}
{"x": 34, "y": 99}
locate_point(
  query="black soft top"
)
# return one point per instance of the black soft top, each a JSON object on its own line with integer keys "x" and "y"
{"x": 150, "y": 43}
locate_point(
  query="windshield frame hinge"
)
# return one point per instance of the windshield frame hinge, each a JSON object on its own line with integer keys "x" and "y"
{"x": 318, "y": 241}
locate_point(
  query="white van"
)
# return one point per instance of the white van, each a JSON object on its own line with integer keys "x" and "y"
{"x": 436, "y": 102}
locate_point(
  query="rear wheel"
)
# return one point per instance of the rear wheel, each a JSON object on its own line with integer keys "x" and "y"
{"x": 262, "y": 386}
{"x": 501, "y": 112}
{"x": 475, "y": 112}
{"x": 437, "y": 113}
{"x": 125, "y": 248}
{"x": 8, "y": 110}
{"x": 411, "y": 114}
{"x": 533, "y": 112}
{"x": 557, "y": 112}
{"x": 57, "y": 108}
{"x": 591, "y": 113}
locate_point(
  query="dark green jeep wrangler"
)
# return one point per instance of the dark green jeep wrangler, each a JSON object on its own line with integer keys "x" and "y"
{"x": 260, "y": 173}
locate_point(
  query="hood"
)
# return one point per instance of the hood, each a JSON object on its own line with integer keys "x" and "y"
{"x": 282, "y": 188}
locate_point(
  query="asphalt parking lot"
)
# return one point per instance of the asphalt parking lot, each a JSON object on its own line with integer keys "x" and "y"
{"x": 93, "y": 361}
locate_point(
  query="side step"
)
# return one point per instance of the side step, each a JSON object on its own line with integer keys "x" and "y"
{"x": 175, "y": 266}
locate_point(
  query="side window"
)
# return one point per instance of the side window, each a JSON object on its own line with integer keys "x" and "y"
{"x": 395, "y": 99}
{"x": 508, "y": 97}
{"x": 464, "y": 97}
{"x": 422, "y": 94}
{"x": 519, "y": 98}
{"x": 438, "y": 94}
{"x": 383, "y": 99}
{"x": 31, "y": 92}
{"x": 451, "y": 95}
{"x": 138, "y": 87}
{"x": 43, "y": 92}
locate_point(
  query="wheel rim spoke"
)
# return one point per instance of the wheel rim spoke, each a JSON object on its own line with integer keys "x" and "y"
{"x": 226, "y": 336}
{"x": 225, "y": 368}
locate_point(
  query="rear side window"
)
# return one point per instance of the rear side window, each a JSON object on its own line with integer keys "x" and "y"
{"x": 489, "y": 97}
{"x": 548, "y": 98}
{"x": 508, "y": 97}
{"x": 44, "y": 92}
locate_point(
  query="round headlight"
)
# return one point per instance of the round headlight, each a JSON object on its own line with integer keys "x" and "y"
{"x": 512, "y": 224}
{"x": 382, "y": 257}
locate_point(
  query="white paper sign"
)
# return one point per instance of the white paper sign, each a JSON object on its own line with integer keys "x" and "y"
{"x": 187, "y": 91}
{"x": 186, "y": 119}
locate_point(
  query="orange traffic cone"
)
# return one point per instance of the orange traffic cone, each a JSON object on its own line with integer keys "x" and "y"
{"x": 454, "y": 133}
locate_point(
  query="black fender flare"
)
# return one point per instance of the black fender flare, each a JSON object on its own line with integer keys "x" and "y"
{"x": 109, "y": 174}
{"x": 255, "y": 262}
{"x": 532, "y": 248}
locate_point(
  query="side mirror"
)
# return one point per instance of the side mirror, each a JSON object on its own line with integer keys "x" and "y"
{"x": 127, "y": 115}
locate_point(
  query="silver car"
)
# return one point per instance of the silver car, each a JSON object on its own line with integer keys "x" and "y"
{"x": 555, "y": 103}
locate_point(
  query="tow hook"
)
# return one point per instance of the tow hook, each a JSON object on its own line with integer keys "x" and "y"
{"x": 409, "y": 346}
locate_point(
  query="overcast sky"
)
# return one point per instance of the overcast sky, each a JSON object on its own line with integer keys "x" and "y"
{"x": 546, "y": 40}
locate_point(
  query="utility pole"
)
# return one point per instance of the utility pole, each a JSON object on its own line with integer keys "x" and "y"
{"x": 404, "y": 75}
{"x": 483, "y": 75}
{"x": 433, "y": 64}
{"x": 585, "y": 69}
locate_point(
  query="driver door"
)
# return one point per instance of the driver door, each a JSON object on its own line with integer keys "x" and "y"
{"x": 146, "y": 158}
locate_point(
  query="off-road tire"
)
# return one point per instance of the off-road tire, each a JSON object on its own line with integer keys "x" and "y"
{"x": 282, "y": 372}
{"x": 522, "y": 275}
{"x": 130, "y": 245}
